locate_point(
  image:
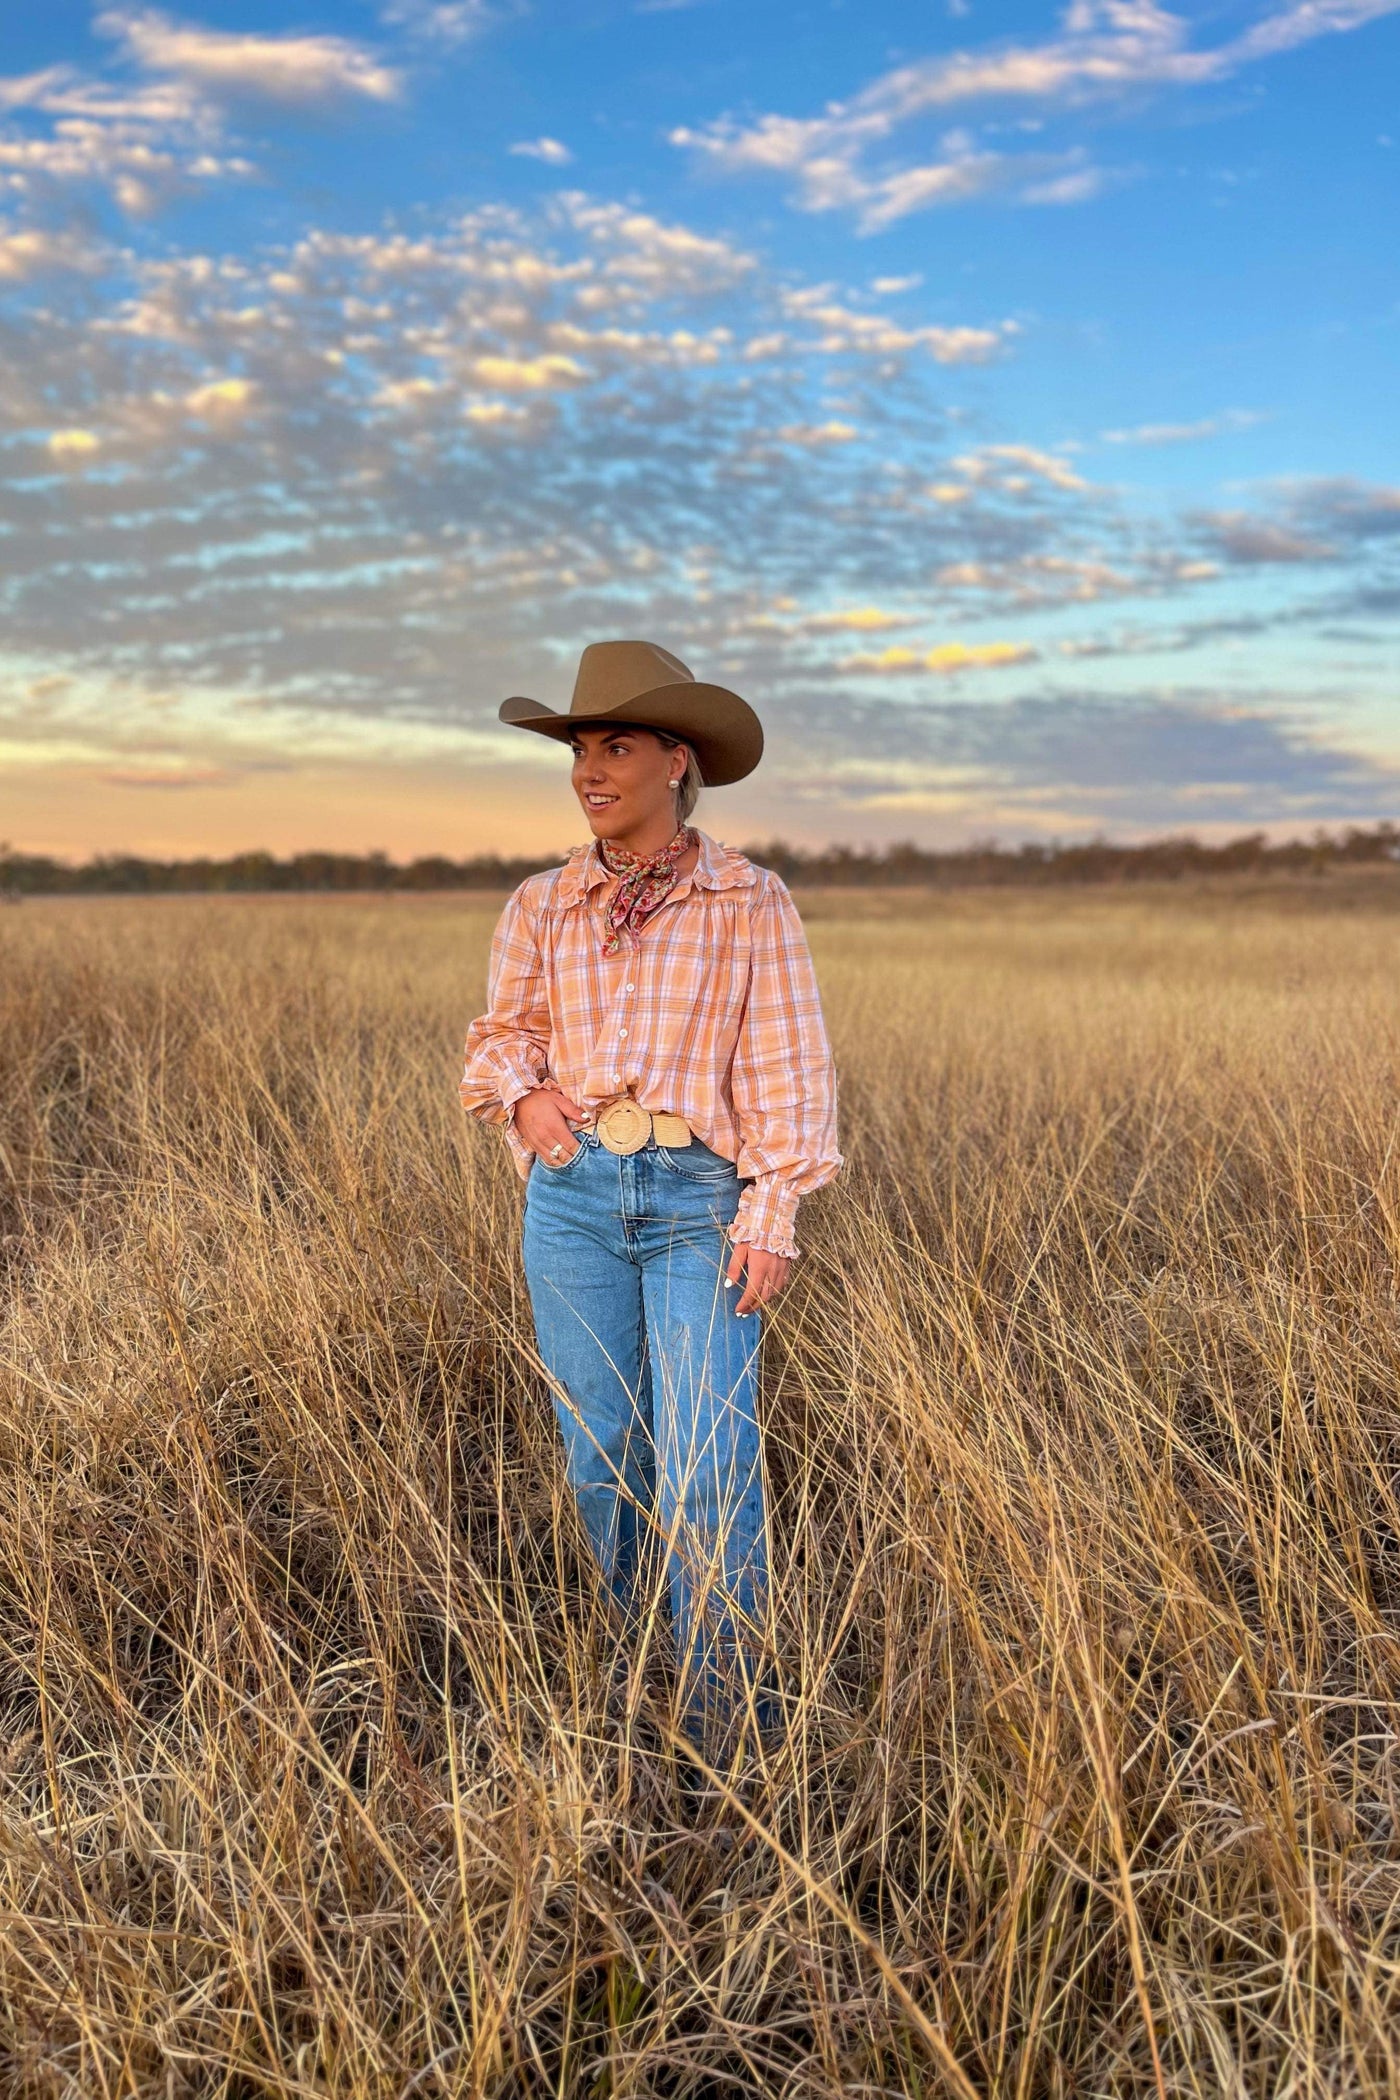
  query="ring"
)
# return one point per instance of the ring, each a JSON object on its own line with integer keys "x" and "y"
{"x": 555, "y": 1151}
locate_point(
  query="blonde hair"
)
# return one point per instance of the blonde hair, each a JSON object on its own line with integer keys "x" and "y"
{"x": 691, "y": 781}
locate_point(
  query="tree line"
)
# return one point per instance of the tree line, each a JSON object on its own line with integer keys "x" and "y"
{"x": 1091, "y": 861}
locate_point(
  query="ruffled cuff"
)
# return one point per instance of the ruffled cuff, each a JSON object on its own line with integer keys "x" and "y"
{"x": 520, "y": 1152}
{"x": 766, "y": 1217}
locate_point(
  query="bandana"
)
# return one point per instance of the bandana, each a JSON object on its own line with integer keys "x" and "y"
{"x": 646, "y": 882}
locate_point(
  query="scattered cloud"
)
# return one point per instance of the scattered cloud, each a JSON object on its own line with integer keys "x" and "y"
{"x": 33, "y": 251}
{"x": 809, "y": 434}
{"x": 1248, "y": 541}
{"x": 1010, "y": 466}
{"x": 66, "y": 135}
{"x": 841, "y": 328}
{"x": 1321, "y": 519}
{"x": 178, "y": 775}
{"x": 946, "y": 658}
{"x": 552, "y": 151}
{"x": 443, "y": 22}
{"x": 296, "y": 69}
{"x": 1030, "y": 581}
{"x": 1228, "y": 420}
{"x": 73, "y": 444}
{"x": 855, "y": 619}
{"x": 526, "y": 375}
{"x": 1076, "y": 186}
{"x": 331, "y": 473}
{"x": 1075, "y": 761}
{"x": 219, "y": 399}
{"x": 1345, "y": 508}
{"x": 1106, "y": 52}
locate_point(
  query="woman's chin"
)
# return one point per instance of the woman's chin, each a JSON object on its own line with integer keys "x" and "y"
{"x": 606, "y": 823}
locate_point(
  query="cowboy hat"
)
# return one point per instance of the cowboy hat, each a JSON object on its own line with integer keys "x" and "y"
{"x": 640, "y": 683}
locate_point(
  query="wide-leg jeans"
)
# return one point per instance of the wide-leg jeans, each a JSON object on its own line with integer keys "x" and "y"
{"x": 656, "y": 1383}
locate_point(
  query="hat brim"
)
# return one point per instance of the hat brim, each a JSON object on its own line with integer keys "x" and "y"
{"x": 722, "y": 730}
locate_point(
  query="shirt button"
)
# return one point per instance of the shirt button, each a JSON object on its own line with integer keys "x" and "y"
{"x": 629, "y": 988}
{"x": 622, "y": 1031}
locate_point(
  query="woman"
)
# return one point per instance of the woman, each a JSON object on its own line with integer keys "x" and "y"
{"x": 654, "y": 1047}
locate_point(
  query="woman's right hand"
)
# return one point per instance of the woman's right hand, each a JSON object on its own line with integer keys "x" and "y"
{"x": 543, "y": 1119}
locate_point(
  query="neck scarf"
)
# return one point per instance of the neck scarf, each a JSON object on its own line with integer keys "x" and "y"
{"x": 646, "y": 881}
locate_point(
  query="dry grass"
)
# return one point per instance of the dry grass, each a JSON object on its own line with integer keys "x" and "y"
{"x": 1084, "y": 1447}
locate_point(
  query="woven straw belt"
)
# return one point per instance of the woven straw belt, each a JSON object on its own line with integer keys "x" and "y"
{"x": 625, "y": 1126}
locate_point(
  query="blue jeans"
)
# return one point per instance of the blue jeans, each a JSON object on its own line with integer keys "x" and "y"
{"x": 656, "y": 1383}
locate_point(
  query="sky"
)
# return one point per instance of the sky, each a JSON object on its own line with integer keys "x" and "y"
{"x": 1002, "y": 399}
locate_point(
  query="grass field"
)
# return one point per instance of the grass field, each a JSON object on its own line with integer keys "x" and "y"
{"x": 1084, "y": 1441}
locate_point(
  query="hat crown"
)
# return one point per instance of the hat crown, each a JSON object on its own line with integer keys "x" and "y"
{"x": 611, "y": 673}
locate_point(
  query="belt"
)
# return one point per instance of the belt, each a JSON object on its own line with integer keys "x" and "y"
{"x": 625, "y": 1126}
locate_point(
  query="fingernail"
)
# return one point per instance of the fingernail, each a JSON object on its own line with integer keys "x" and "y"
{"x": 729, "y": 1283}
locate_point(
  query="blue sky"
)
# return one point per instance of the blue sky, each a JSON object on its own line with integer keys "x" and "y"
{"x": 1001, "y": 397}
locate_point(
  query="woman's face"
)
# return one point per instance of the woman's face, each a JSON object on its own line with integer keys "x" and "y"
{"x": 625, "y": 782}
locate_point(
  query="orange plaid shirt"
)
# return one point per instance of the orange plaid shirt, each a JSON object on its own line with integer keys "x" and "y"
{"x": 714, "y": 1015}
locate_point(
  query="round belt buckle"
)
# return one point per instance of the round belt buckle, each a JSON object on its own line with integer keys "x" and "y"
{"x": 624, "y": 1127}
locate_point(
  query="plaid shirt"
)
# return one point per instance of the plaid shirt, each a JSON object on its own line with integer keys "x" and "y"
{"x": 714, "y": 1015}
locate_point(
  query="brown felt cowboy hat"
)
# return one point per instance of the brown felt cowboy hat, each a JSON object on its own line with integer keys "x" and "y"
{"x": 641, "y": 683}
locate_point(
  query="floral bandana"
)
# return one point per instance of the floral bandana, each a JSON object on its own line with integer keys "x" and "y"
{"x": 646, "y": 883}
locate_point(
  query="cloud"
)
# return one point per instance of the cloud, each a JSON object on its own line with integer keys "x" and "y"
{"x": 336, "y": 471}
{"x": 349, "y": 489}
{"x": 179, "y": 775}
{"x": 1345, "y": 508}
{"x": 1303, "y": 521}
{"x": 843, "y": 329}
{"x": 947, "y": 658}
{"x": 809, "y": 434}
{"x": 963, "y": 172}
{"x": 219, "y": 399}
{"x": 970, "y": 174}
{"x": 1007, "y": 466}
{"x": 552, "y": 151}
{"x": 1029, "y": 581}
{"x": 1184, "y": 433}
{"x": 526, "y": 374}
{"x": 442, "y": 22}
{"x": 294, "y": 69}
{"x": 143, "y": 144}
{"x": 655, "y": 255}
{"x": 856, "y": 619}
{"x": 1229, "y": 419}
{"x": 1248, "y": 540}
{"x": 32, "y": 251}
{"x": 1078, "y": 186}
{"x": 75, "y": 444}
{"x": 1074, "y": 762}
{"x": 1106, "y": 51}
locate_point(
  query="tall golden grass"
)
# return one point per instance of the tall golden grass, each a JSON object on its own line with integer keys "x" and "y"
{"x": 1084, "y": 1448}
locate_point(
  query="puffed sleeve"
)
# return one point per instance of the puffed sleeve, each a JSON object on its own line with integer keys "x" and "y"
{"x": 507, "y": 1053}
{"x": 783, "y": 1078}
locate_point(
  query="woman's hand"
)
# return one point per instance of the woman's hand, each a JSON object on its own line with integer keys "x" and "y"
{"x": 763, "y": 1274}
{"x": 543, "y": 1119}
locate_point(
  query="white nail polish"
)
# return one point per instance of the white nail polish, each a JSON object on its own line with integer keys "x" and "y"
{"x": 729, "y": 1283}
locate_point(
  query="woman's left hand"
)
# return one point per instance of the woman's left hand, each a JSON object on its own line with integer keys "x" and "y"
{"x": 763, "y": 1276}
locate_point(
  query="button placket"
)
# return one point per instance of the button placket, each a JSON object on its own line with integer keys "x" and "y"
{"x": 628, "y": 988}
